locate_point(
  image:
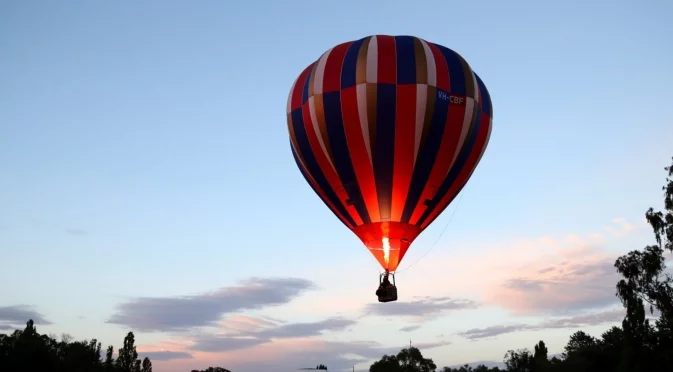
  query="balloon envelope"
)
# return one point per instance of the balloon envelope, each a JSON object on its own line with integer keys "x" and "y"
{"x": 387, "y": 130}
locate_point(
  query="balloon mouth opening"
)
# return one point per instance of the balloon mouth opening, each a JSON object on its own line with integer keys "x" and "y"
{"x": 388, "y": 241}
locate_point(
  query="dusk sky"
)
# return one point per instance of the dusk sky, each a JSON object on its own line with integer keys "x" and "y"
{"x": 147, "y": 182}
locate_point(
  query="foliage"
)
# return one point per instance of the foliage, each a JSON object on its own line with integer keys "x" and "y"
{"x": 28, "y": 351}
{"x": 409, "y": 359}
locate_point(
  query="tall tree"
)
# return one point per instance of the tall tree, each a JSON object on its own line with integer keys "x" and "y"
{"x": 519, "y": 360}
{"x": 540, "y": 362}
{"x": 407, "y": 360}
{"x": 646, "y": 283}
{"x": 108, "y": 365}
{"x": 147, "y": 365}
{"x": 643, "y": 271}
{"x": 128, "y": 355}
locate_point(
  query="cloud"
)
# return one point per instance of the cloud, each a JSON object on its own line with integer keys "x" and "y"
{"x": 215, "y": 343}
{"x": 410, "y": 328}
{"x": 165, "y": 355}
{"x": 570, "y": 277}
{"x": 245, "y": 323}
{"x": 307, "y": 329}
{"x": 242, "y": 340}
{"x": 16, "y": 316}
{"x": 430, "y": 345}
{"x": 604, "y": 317}
{"x": 568, "y": 287}
{"x": 76, "y": 232}
{"x": 479, "y": 333}
{"x": 423, "y": 307}
{"x": 289, "y": 354}
{"x": 48, "y": 225}
{"x": 620, "y": 227}
{"x": 183, "y": 313}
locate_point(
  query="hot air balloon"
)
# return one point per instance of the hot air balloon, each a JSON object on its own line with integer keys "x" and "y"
{"x": 387, "y": 130}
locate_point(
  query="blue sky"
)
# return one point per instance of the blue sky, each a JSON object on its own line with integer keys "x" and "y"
{"x": 144, "y": 152}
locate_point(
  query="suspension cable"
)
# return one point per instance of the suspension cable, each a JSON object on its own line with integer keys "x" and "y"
{"x": 438, "y": 238}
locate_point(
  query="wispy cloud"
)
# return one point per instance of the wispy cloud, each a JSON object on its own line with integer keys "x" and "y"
{"x": 423, "y": 307}
{"x": 76, "y": 232}
{"x": 289, "y": 354}
{"x": 620, "y": 227}
{"x": 307, "y": 329}
{"x": 478, "y": 333}
{"x": 16, "y": 316}
{"x": 186, "y": 312}
{"x": 245, "y": 323}
{"x": 604, "y": 317}
{"x": 431, "y": 345}
{"x": 210, "y": 343}
{"x": 410, "y": 328}
{"x": 41, "y": 224}
{"x": 570, "y": 281}
{"x": 165, "y": 355}
{"x": 563, "y": 275}
{"x": 242, "y": 340}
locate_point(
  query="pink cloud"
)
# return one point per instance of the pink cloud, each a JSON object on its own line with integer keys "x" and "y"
{"x": 542, "y": 275}
{"x": 287, "y": 354}
{"x": 620, "y": 227}
{"x": 243, "y": 323}
{"x": 604, "y": 317}
{"x": 553, "y": 287}
{"x": 576, "y": 274}
{"x": 176, "y": 344}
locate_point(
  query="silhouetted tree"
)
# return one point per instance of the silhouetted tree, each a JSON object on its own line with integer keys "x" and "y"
{"x": 147, "y": 365}
{"x": 108, "y": 365}
{"x": 540, "y": 362}
{"x": 519, "y": 360}
{"x": 28, "y": 351}
{"x": 127, "y": 355}
{"x": 407, "y": 360}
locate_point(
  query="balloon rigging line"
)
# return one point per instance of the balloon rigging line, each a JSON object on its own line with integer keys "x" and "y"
{"x": 438, "y": 238}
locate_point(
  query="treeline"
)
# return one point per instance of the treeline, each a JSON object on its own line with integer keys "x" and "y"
{"x": 637, "y": 346}
{"x": 29, "y": 351}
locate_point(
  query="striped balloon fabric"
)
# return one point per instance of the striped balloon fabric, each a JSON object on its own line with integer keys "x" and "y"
{"x": 387, "y": 130}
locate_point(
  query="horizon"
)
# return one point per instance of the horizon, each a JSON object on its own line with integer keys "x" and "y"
{"x": 151, "y": 188}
